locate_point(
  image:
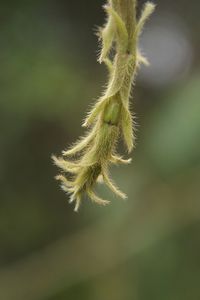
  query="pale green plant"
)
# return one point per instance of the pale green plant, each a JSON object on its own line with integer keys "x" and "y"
{"x": 110, "y": 117}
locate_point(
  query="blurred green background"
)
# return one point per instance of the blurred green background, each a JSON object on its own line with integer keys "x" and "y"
{"x": 147, "y": 248}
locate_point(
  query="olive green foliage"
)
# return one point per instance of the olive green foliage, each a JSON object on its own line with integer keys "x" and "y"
{"x": 110, "y": 117}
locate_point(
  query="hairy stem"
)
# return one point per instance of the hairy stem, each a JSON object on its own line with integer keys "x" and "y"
{"x": 110, "y": 117}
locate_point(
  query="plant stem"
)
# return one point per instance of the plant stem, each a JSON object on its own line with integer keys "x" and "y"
{"x": 111, "y": 115}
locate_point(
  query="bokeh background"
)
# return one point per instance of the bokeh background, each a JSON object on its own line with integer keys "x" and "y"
{"x": 147, "y": 248}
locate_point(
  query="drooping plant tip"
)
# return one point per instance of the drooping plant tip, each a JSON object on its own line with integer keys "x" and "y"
{"x": 88, "y": 160}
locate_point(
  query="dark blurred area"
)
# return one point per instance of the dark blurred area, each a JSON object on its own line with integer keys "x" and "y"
{"x": 147, "y": 248}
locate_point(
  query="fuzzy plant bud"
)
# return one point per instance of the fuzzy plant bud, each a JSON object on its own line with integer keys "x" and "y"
{"x": 88, "y": 160}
